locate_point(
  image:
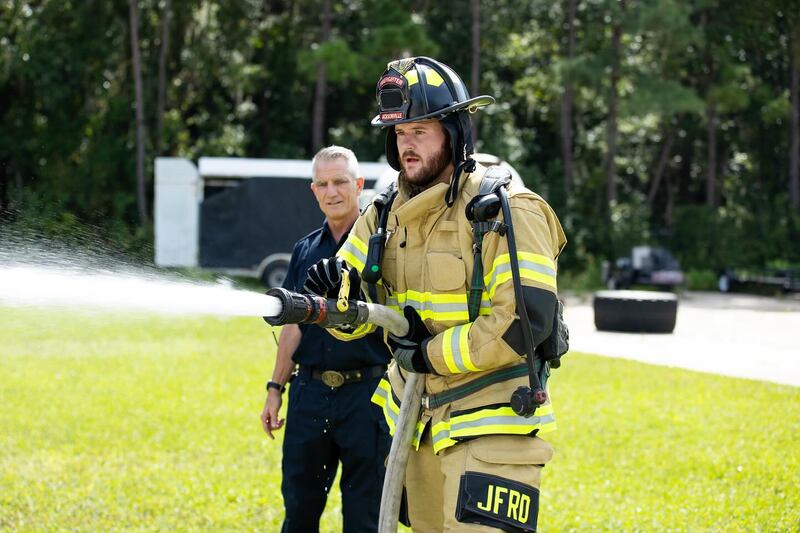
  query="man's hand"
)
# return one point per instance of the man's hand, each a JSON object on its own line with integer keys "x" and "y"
{"x": 408, "y": 350}
{"x": 325, "y": 279}
{"x": 269, "y": 416}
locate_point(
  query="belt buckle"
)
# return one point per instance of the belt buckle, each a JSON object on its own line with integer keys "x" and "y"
{"x": 332, "y": 378}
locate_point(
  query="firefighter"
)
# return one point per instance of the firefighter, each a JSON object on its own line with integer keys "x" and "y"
{"x": 475, "y": 463}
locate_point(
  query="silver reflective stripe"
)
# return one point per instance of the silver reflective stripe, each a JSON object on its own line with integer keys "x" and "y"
{"x": 523, "y": 265}
{"x": 350, "y": 248}
{"x": 440, "y": 436}
{"x": 502, "y": 421}
{"x": 455, "y": 347}
{"x": 430, "y": 306}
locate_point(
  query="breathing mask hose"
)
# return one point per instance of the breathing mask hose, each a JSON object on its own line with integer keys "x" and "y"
{"x": 524, "y": 400}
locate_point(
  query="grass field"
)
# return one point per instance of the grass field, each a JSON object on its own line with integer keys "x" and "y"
{"x": 151, "y": 423}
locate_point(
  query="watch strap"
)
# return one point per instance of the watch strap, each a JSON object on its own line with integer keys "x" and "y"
{"x": 277, "y": 386}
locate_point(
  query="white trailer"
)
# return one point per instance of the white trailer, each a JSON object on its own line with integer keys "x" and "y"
{"x": 236, "y": 216}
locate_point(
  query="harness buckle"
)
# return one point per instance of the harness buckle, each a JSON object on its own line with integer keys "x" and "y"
{"x": 426, "y": 401}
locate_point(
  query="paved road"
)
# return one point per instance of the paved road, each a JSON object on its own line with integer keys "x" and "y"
{"x": 734, "y": 335}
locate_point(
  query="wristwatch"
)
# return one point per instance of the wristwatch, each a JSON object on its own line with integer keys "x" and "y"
{"x": 276, "y": 386}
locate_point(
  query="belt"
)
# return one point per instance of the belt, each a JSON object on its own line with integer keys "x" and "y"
{"x": 432, "y": 401}
{"x": 337, "y": 378}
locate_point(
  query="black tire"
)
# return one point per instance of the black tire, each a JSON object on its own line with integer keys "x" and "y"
{"x": 635, "y": 311}
{"x": 274, "y": 273}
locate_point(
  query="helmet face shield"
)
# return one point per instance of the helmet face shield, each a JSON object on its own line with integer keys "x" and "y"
{"x": 393, "y": 102}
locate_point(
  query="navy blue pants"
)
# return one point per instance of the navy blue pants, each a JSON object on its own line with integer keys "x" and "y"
{"x": 325, "y": 426}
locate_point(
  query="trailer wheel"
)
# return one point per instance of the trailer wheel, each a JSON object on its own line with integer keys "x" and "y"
{"x": 274, "y": 273}
{"x": 635, "y": 311}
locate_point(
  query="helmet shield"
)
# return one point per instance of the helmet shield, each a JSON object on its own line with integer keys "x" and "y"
{"x": 421, "y": 88}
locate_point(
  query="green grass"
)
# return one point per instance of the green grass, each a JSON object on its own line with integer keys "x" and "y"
{"x": 151, "y": 424}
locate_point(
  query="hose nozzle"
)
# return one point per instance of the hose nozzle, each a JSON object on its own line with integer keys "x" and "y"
{"x": 299, "y": 308}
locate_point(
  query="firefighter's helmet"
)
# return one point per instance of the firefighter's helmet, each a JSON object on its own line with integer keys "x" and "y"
{"x": 421, "y": 88}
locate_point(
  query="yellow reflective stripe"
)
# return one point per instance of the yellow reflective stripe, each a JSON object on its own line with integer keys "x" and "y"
{"x": 384, "y": 398}
{"x": 455, "y": 349}
{"x": 533, "y": 267}
{"x": 412, "y": 77}
{"x": 501, "y": 420}
{"x": 433, "y": 78}
{"x": 447, "y": 352}
{"x": 418, "y": 434}
{"x": 354, "y": 252}
{"x": 439, "y": 307}
{"x": 440, "y": 435}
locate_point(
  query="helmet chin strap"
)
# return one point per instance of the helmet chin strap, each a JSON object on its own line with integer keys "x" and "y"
{"x": 468, "y": 166}
{"x": 459, "y": 127}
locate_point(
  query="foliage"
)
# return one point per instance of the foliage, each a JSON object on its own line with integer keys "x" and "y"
{"x": 146, "y": 423}
{"x": 701, "y": 280}
{"x": 240, "y": 77}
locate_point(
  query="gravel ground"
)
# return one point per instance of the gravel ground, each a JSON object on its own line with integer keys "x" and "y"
{"x": 736, "y": 335}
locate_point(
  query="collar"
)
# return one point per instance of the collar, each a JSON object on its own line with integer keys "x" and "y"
{"x": 328, "y": 234}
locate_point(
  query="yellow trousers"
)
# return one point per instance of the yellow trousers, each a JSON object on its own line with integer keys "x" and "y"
{"x": 489, "y": 482}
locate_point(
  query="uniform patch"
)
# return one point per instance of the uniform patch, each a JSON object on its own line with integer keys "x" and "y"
{"x": 497, "y": 502}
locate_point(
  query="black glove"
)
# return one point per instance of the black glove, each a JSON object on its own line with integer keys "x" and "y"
{"x": 408, "y": 350}
{"x": 325, "y": 279}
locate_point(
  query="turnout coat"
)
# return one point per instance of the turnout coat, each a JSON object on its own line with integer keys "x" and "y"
{"x": 428, "y": 264}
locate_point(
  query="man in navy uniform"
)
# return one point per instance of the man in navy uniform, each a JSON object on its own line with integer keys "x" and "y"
{"x": 330, "y": 418}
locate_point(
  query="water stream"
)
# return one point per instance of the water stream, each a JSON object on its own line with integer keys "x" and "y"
{"x": 33, "y": 274}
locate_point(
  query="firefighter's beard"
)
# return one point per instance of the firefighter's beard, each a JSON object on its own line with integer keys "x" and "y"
{"x": 432, "y": 170}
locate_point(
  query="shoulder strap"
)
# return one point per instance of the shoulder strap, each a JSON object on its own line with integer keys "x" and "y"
{"x": 377, "y": 241}
{"x": 484, "y": 206}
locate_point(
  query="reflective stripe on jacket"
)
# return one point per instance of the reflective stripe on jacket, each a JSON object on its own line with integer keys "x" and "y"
{"x": 427, "y": 264}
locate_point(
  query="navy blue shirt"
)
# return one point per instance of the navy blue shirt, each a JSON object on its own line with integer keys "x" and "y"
{"x": 317, "y": 347}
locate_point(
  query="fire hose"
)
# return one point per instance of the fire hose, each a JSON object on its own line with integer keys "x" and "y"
{"x": 299, "y": 308}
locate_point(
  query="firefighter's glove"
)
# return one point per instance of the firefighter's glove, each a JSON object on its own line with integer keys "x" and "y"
{"x": 409, "y": 349}
{"x": 325, "y": 279}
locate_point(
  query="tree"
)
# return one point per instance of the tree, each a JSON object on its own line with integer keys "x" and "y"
{"x": 141, "y": 190}
{"x": 475, "y": 70}
{"x": 321, "y": 88}
{"x": 163, "y": 55}
{"x": 610, "y": 164}
{"x": 567, "y": 100}
{"x": 794, "y": 97}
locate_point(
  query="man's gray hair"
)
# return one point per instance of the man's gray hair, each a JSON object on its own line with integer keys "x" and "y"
{"x": 332, "y": 153}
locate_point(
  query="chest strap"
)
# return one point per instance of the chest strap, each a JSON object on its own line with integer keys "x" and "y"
{"x": 432, "y": 401}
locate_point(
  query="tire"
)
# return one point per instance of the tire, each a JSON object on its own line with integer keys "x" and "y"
{"x": 635, "y": 311}
{"x": 274, "y": 273}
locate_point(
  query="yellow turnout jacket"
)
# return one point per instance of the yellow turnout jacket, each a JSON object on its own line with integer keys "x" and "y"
{"x": 428, "y": 264}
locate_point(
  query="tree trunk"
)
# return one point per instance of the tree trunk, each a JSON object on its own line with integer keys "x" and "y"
{"x": 318, "y": 119}
{"x": 4, "y": 180}
{"x": 613, "y": 97}
{"x": 476, "y": 63}
{"x": 711, "y": 158}
{"x": 794, "y": 145}
{"x": 163, "y": 55}
{"x": 670, "y": 208}
{"x": 567, "y": 103}
{"x": 663, "y": 158}
{"x": 711, "y": 117}
{"x": 141, "y": 193}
